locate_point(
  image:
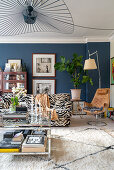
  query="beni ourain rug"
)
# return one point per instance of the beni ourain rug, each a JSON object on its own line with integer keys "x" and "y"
{"x": 72, "y": 149}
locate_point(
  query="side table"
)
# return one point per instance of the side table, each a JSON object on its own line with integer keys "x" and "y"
{"x": 78, "y": 106}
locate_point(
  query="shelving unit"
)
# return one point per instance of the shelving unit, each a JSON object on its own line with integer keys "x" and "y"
{"x": 13, "y": 79}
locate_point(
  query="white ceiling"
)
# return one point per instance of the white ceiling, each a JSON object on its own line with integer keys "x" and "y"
{"x": 89, "y": 13}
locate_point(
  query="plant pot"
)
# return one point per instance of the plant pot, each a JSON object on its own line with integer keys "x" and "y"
{"x": 75, "y": 93}
{"x": 12, "y": 108}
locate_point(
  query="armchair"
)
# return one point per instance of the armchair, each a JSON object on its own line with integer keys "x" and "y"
{"x": 99, "y": 104}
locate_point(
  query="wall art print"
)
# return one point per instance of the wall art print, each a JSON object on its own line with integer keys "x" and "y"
{"x": 43, "y": 65}
{"x": 43, "y": 86}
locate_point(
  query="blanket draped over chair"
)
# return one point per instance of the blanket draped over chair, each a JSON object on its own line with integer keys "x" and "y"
{"x": 45, "y": 105}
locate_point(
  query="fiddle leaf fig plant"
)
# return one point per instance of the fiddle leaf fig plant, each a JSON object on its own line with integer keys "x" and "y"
{"x": 74, "y": 67}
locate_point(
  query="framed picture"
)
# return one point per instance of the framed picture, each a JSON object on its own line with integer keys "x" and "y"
{"x": 45, "y": 86}
{"x": 112, "y": 71}
{"x": 15, "y": 65}
{"x": 43, "y": 65}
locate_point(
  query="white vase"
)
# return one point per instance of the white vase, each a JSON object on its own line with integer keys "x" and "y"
{"x": 75, "y": 93}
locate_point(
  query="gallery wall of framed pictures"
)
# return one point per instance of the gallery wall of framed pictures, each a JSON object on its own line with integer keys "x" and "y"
{"x": 43, "y": 66}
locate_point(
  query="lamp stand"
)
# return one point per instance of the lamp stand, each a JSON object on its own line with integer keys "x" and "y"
{"x": 97, "y": 64}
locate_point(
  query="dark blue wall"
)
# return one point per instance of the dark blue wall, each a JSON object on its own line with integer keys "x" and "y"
{"x": 63, "y": 81}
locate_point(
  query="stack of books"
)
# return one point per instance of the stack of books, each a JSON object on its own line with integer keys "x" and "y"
{"x": 6, "y": 145}
{"x": 34, "y": 143}
{"x": 12, "y": 141}
{"x": 17, "y": 139}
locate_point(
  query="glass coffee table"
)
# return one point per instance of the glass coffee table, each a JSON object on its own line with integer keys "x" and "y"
{"x": 10, "y": 122}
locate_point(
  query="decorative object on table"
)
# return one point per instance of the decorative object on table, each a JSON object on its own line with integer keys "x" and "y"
{"x": 21, "y": 109}
{"x": 43, "y": 65}
{"x": 78, "y": 106}
{"x": 112, "y": 71}
{"x": 17, "y": 93}
{"x": 14, "y": 103}
{"x": 0, "y": 69}
{"x": 36, "y": 114}
{"x": 15, "y": 64}
{"x": 99, "y": 104}
{"x": 91, "y": 65}
{"x": 7, "y": 67}
{"x": 45, "y": 86}
{"x": 24, "y": 68}
{"x": 74, "y": 67}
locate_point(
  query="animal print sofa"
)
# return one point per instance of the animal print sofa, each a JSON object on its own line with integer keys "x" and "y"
{"x": 60, "y": 102}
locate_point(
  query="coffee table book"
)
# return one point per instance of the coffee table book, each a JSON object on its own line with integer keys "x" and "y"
{"x": 6, "y": 146}
{"x": 34, "y": 143}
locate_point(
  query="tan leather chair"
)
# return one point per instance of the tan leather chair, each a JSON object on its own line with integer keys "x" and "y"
{"x": 99, "y": 104}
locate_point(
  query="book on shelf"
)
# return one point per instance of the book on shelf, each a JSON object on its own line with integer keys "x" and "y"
{"x": 39, "y": 132}
{"x": 41, "y": 149}
{"x": 17, "y": 139}
{"x": 34, "y": 143}
{"x": 9, "y": 150}
{"x": 6, "y": 146}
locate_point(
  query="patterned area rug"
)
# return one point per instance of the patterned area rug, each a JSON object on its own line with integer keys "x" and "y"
{"x": 85, "y": 149}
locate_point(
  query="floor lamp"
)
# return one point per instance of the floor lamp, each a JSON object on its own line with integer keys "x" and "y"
{"x": 90, "y": 64}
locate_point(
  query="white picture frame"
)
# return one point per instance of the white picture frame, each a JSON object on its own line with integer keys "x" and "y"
{"x": 43, "y": 65}
{"x": 16, "y": 63}
{"x": 43, "y": 86}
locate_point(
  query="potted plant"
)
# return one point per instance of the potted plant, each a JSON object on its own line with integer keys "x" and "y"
{"x": 14, "y": 103}
{"x": 17, "y": 94}
{"x": 74, "y": 67}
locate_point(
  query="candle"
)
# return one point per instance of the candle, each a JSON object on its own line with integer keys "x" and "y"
{"x": 32, "y": 104}
{"x": 36, "y": 109}
{"x": 39, "y": 107}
